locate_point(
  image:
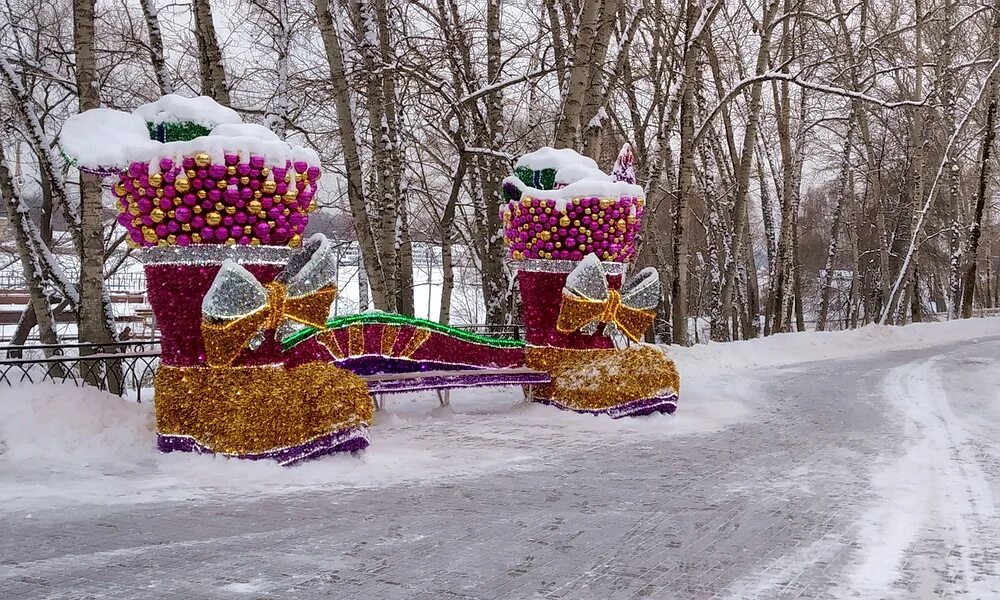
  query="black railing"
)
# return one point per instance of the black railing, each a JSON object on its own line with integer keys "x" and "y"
{"x": 121, "y": 369}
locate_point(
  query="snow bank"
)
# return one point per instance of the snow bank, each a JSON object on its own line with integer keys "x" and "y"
{"x": 795, "y": 348}
{"x": 67, "y": 424}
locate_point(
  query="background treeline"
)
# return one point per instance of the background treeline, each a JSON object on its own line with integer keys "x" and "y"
{"x": 809, "y": 164}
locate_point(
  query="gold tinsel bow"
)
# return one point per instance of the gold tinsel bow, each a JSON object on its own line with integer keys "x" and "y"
{"x": 238, "y": 310}
{"x": 587, "y": 301}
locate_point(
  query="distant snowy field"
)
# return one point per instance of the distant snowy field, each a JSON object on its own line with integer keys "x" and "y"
{"x": 63, "y": 445}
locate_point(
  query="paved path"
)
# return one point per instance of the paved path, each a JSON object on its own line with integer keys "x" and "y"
{"x": 791, "y": 502}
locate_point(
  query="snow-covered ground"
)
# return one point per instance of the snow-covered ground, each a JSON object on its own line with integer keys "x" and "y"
{"x": 818, "y": 465}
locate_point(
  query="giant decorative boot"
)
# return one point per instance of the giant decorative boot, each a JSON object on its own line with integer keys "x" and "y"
{"x": 571, "y": 231}
{"x": 218, "y": 218}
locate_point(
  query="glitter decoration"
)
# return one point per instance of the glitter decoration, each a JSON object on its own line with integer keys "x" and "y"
{"x": 201, "y": 254}
{"x": 379, "y": 317}
{"x": 236, "y": 410}
{"x": 569, "y": 248}
{"x": 602, "y": 379}
{"x": 237, "y": 309}
{"x": 546, "y": 228}
{"x": 624, "y": 169}
{"x": 564, "y": 266}
{"x": 432, "y": 381}
{"x": 586, "y": 300}
{"x": 348, "y": 440}
{"x": 637, "y": 408}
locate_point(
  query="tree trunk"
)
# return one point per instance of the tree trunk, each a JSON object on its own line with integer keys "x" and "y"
{"x": 163, "y": 79}
{"x": 745, "y": 165}
{"x": 331, "y": 31}
{"x": 210, "y": 65}
{"x": 19, "y": 219}
{"x": 975, "y": 231}
{"x": 685, "y": 180}
{"x": 838, "y": 212}
{"x": 95, "y": 323}
{"x": 569, "y": 125}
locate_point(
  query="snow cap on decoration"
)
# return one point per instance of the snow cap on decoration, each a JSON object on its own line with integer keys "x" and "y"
{"x": 221, "y": 182}
{"x": 560, "y": 206}
{"x": 624, "y": 169}
{"x": 103, "y": 140}
{"x": 172, "y": 108}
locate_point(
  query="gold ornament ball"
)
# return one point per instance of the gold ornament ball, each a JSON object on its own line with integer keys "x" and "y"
{"x": 312, "y": 206}
{"x": 202, "y": 194}
{"x": 254, "y": 206}
{"x": 230, "y": 242}
{"x": 255, "y": 242}
{"x": 296, "y": 241}
{"x": 191, "y": 173}
{"x": 148, "y": 234}
{"x": 264, "y": 171}
{"x": 185, "y": 227}
{"x": 196, "y": 209}
{"x": 564, "y": 221}
{"x": 526, "y": 202}
{"x": 195, "y": 238}
{"x": 257, "y": 194}
{"x": 120, "y": 190}
{"x": 545, "y": 235}
{"x": 213, "y": 218}
{"x": 133, "y": 209}
{"x": 222, "y": 184}
{"x": 156, "y": 180}
{"x": 171, "y": 239}
{"x": 230, "y": 210}
{"x": 244, "y": 180}
{"x": 606, "y": 203}
{"x": 268, "y": 186}
{"x": 182, "y": 185}
{"x": 202, "y": 159}
{"x": 230, "y": 170}
{"x": 156, "y": 215}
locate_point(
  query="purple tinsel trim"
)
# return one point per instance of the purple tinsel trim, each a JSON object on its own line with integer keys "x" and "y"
{"x": 456, "y": 381}
{"x": 346, "y": 440}
{"x": 370, "y": 364}
{"x": 636, "y": 408}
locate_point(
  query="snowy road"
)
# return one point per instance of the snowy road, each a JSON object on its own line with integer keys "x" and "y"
{"x": 871, "y": 477}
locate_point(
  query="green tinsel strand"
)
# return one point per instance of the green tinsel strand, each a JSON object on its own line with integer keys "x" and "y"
{"x": 394, "y": 319}
{"x": 526, "y": 175}
{"x": 547, "y": 179}
{"x": 176, "y": 132}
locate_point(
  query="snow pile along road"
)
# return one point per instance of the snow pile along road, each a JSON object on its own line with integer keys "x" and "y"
{"x": 789, "y": 349}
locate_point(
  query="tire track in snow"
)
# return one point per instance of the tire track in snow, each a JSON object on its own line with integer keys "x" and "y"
{"x": 935, "y": 495}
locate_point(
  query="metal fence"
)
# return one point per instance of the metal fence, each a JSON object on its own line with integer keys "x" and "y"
{"x": 123, "y": 369}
